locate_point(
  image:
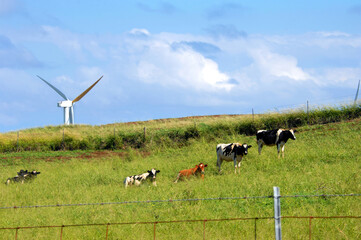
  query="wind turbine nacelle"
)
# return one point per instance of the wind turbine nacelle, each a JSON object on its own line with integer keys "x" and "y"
{"x": 65, "y": 104}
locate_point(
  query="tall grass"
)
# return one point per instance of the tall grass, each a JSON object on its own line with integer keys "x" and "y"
{"x": 325, "y": 159}
{"x": 175, "y": 132}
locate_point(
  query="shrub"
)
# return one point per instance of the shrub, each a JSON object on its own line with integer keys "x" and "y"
{"x": 178, "y": 137}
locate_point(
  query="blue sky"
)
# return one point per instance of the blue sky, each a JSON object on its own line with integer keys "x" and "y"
{"x": 165, "y": 59}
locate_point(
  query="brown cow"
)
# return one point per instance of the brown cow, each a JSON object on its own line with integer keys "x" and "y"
{"x": 198, "y": 169}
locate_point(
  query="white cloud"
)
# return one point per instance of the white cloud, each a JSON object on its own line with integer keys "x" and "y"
{"x": 181, "y": 68}
{"x": 277, "y": 65}
{"x": 139, "y": 32}
{"x": 341, "y": 76}
{"x": 153, "y": 72}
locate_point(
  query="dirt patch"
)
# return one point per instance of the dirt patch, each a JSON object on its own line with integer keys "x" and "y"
{"x": 96, "y": 155}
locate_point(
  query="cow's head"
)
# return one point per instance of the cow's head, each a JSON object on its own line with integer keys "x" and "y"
{"x": 34, "y": 173}
{"x": 241, "y": 149}
{"x": 293, "y": 137}
{"x": 153, "y": 173}
{"x": 200, "y": 167}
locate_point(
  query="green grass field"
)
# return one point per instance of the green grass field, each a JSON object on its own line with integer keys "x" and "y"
{"x": 325, "y": 159}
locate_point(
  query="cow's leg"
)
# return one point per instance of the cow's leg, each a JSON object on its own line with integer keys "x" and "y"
{"x": 178, "y": 176}
{"x": 278, "y": 149}
{"x": 260, "y": 145}
{"x": 239, "y": 166}
{"x": 219, "y": 163}
{"x": 154, "y": 183}
{"x": 235, "y": 165}
{"x": 283, "y": 150}
{"x": 126, "y": 182}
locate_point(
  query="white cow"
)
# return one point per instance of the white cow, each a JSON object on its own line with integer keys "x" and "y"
{"x": 231, "y": 152}
{"x": 278, "y": 137}
{"x": 138, "y": 179}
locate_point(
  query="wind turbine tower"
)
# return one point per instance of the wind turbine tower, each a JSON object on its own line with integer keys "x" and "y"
{"x": 68, "y": 104}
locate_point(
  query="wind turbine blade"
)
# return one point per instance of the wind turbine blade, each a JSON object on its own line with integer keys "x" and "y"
{"x": 86, "y": 91}
{"x": 56, "y": 90}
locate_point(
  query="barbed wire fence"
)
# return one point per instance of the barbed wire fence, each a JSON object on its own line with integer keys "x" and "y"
{"x": 277, "y": 217}
{"x": 179, "y": 200}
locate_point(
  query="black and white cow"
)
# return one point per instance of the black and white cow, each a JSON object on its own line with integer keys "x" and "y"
{"x": 277, "y": 137}
{"x": 231, "y": 152}
{"x": 23, "y": 176}
{"x": 138, "y": 179}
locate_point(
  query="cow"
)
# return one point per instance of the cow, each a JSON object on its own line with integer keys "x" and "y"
{"x": 231, "y": 152}
{"x": 197, "y": 170}
{"x": 22, "y": 176}
{"x": 277, "y": 137}
{"x": 138, "y": 179}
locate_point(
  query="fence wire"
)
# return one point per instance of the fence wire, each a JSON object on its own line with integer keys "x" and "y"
{"x": 154, "y": 223}
{"x": 178, "y": 200}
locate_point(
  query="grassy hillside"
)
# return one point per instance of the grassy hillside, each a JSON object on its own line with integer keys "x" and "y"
{"x": 177, "y": 132}
{"x": 325, "y": 159}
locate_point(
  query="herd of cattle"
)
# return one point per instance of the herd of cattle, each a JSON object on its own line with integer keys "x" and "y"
{"x": 225, "y": 152}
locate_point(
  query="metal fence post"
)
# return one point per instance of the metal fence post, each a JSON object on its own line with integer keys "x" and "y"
{"x": 204, "y": 229}
{"x": 17, "y": 142}
{"x": 114, "y": 139}
{"x": 308, "y": 114}
{"x": 16, "y": 233}
{"x": 255, "y": 228}
{"x": 155, "y": 223}
{"x": 61, "y": 232}
{"x": 277, "y": 207}
{"x": 63, "y": 143}
{"x": 145, "y": 132}
{"x": 106, "y": 234}
{"x": 310, "y": 229}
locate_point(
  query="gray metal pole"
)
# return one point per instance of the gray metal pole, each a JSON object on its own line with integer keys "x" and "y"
{"x": 277, "y": 207}
{"x": 358, "y": 88}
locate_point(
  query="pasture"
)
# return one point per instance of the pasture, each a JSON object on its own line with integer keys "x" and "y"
{"x": 325, "y": 159}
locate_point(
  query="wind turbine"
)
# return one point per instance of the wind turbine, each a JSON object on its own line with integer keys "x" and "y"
{"x": 68, "y": 104}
